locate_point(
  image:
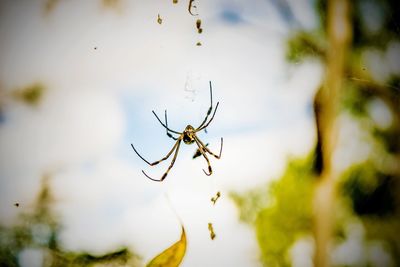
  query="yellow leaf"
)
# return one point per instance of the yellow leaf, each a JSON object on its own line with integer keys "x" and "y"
{"x": 172, "y": 256}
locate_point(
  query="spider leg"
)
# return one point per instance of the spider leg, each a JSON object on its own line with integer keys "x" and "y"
{"x": 158, "y": 161}
{"x": 205, "y": 156}
{"x": 165, "y": 126}
{"x": 208, "y": 150}
{"x": 176, "y": 147}
{"x": 209, "y": 109}
{"x": 212, "y": 117}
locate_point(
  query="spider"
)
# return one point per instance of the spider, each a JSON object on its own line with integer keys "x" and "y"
{"x": 188, "y": 136}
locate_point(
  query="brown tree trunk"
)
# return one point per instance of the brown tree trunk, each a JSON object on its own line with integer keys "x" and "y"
{"x": 326, "y": 108}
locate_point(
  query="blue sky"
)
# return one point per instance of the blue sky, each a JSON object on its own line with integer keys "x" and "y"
{"x": 99, "y": 101}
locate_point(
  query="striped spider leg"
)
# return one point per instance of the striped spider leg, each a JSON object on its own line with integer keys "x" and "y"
{"x": 174, "y": 148}
{"x": 188, "y": 136}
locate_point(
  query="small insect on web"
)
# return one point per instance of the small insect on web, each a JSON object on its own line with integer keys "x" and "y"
{"x": 211, "y": 229}
{"x": 214, "y": 199}
{"x": 188, "y": 136}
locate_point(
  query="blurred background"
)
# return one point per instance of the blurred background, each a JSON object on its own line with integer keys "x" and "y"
{"x": 309, "y": 111}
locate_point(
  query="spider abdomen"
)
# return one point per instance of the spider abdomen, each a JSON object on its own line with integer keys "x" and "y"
{"x": 188, "y": 140}
{"x": 188, "y": 135}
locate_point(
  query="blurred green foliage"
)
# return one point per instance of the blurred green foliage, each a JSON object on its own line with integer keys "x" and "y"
{"x": 280, "y": 212}
{"x": 31, "y": 94}
{"x": 39, "y": 230}
{"x": 303, "y": 45}
{"x": 50, "y": 5}
{"x": 372, "y": 197}
{"x": 110, "y": 3}
{"x": 368, "y": 192}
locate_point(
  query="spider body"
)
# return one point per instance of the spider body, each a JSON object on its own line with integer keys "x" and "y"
{"x": 188, "y": 136}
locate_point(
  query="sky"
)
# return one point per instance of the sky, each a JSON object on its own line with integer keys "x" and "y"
{"x": 105, "y": 70}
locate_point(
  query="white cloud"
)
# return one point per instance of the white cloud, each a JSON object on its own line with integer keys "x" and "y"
{"x": 69, "y": 128}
